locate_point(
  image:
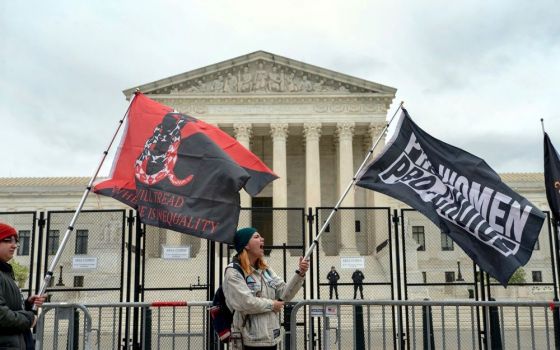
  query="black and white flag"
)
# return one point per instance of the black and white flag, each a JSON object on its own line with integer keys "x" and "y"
{"x": 461, "y": 194}
{"x": 552, "y": 178}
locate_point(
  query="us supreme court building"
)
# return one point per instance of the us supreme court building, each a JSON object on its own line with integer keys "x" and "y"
{"x": 313, "y": 127}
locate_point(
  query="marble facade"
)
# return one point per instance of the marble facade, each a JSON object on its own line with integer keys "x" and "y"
{"x": 311, "y": 125}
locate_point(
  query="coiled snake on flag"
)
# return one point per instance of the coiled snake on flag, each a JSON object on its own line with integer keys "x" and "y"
{"x": 167, "y": 133}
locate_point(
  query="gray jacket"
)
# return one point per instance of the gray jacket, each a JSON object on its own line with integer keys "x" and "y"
{"x": 14, "y": 320}
{"x": 252, "y": 298}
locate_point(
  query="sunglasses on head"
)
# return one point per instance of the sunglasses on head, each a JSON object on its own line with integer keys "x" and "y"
{"x": 10, "y": 240}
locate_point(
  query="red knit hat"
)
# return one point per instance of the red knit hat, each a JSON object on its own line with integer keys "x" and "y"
{"x": 7, "y": 231}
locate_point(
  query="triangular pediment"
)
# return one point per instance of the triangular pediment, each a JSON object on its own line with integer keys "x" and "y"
{"x": 261, "y": 73}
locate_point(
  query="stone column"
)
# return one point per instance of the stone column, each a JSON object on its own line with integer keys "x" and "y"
{"x": 279, "y": 133}
{"x": 374, "y": 198}
{"x": 376, "y": 220}
{"x": 312, "y": 133}
{"x": 373, "y": 131}
{"x": 243, "y": 133}
{"x": 344, "y": 133}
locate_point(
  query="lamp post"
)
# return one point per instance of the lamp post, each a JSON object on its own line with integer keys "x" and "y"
{"x": 459, "y": 275}
{"x": 60, "y": 283}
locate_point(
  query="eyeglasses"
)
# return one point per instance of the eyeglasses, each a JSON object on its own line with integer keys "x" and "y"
{"x": 10, "y": 240}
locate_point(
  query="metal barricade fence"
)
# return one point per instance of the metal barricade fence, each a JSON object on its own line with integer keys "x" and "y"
{"x": 164, "y": 325}
{"x": 339, "y": 324}
{"x": 368, "y": 324}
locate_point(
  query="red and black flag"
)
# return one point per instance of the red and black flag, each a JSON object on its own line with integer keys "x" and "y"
{"x": 181, "y": 173}
{"x": 461, "y": 194}
{"x": 552, "y": 178}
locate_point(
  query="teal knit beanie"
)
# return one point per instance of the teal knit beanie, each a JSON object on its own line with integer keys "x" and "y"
{"x": 242, "y": 237}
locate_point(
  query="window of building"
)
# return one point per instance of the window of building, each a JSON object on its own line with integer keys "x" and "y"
{"x": 24, "y": 242}
{"x": 449, "y": 276}
{"x": 52, "y": 243}
{"x": 419, "y": 237}
{"x": 78, "y": 281}
{"x": 424, "y": 277}
{"x": 358, "y": 226}
{"x": 537, "y": 276}
{"x": 537, "y": 245}
{"x": 81, "y": 242}
{"x": 446, "y": 242}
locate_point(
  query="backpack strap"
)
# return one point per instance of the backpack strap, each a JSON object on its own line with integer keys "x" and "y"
{"x": 237, "y": 267}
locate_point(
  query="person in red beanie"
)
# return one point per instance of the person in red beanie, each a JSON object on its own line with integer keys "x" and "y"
{"x": 16, "y": 317}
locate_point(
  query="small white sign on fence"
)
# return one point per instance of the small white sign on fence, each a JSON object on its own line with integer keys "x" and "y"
{"x": 352, "y": 262}
{"x": 182, "y": 252}
{"x": 84, "y": 262}
{"x": 317, "y": 310}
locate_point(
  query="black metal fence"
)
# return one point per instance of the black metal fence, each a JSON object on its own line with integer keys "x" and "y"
{"x": 111, "y": 257}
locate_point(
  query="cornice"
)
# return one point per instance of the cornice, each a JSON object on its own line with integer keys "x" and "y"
{"x": 275, "y": 98}
{"x": 218, "y": 106}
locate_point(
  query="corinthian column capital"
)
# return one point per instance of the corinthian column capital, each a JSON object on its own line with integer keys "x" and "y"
{"x": 312, "y": 131}
{"x": 279, "y": 131}
{"x": 243, "y": 130}
{"x": 375, "y": 130}
{"x": 345, "y": 130}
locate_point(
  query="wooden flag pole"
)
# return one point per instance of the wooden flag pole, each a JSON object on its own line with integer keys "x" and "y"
{"x": 54, "y": 262}
{"x": 352, "y": 182}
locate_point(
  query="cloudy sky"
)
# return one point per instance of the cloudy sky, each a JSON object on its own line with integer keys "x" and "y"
{"x": 477, "y": 74}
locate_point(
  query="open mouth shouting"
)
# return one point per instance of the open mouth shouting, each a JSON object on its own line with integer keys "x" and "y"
{"x": 255, "y": 246}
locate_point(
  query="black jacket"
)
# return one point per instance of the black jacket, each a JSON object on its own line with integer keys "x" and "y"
{"x": 333, "y": 277}
{"x": 15, "y": 321}
{"x": 358, "y": 277}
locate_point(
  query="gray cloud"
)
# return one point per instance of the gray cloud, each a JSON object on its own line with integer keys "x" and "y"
{"x": 478, "y": 75}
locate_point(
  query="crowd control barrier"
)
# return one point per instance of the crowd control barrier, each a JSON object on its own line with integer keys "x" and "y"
{"x": 163, "y": 325}
{"x": 313, "y": 324}
{"x": 423, "y": 324}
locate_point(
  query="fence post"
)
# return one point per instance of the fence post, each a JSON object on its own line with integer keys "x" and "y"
{"x": 400, "y": 336}
{"x": 428, "y": 327}
{"x": 137, "y": 281}
{"x": 76, "y": 330}
{"x": 556, "y": 323}
{"x": 556, "y": 263}
{"x": 41, "y": 225}
{"x": 287, "y": 327}
{"x": 213, "y": 341}
{"x": 326, "y": 333}
{"x": 359, "y": 339}
{"x": 495, "y": 336}
{"x": 148, "y": 329}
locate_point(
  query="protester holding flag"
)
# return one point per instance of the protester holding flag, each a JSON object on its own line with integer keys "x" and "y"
{"x": 257, "y": 296}
{"x": 16, "y": 317}
{"x": 178, "y": 172}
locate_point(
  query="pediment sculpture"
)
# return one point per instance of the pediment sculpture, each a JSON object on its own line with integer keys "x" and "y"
{"x": 263, "y": 77}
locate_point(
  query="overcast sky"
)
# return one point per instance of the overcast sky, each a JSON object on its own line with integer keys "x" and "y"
{"x": 476, "y": 74}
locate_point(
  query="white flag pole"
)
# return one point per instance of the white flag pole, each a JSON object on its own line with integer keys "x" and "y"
{"x": 352, "y": 182}
{"x": 54, "y": 262}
